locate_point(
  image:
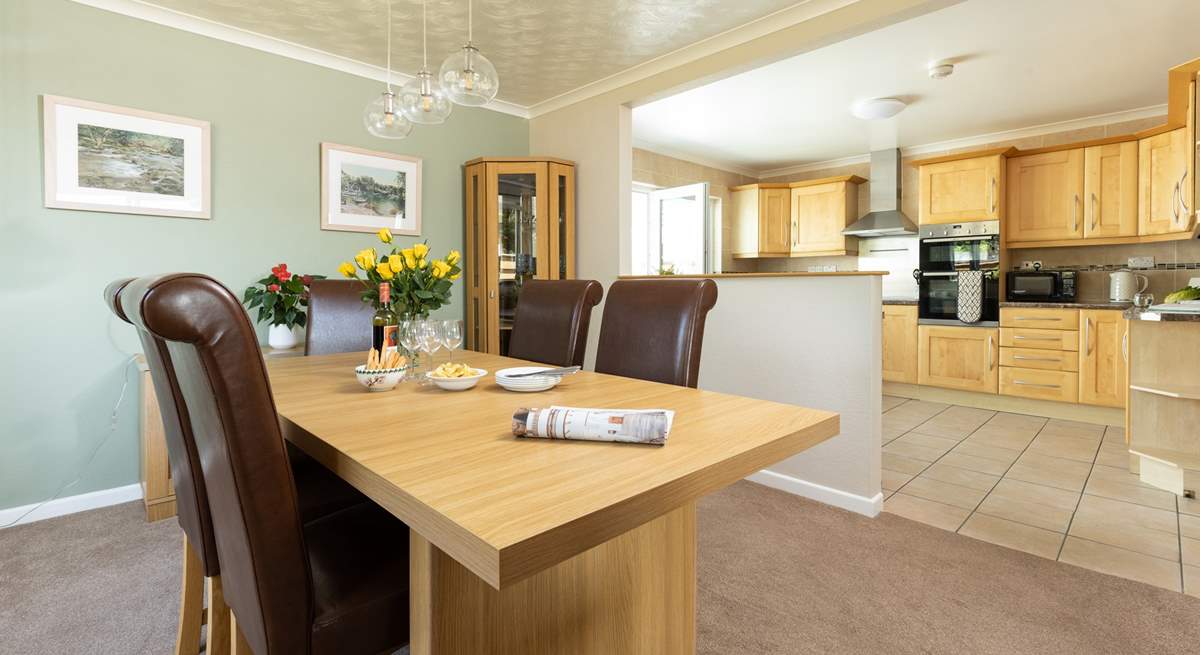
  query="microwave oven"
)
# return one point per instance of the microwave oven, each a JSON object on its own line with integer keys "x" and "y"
{"x": 1041, "y": 286}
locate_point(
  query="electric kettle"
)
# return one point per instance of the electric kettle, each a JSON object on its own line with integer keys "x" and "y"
{"x": 1123, "y": 284}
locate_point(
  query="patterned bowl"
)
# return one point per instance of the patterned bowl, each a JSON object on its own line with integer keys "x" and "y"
{"x": 381, "y": 380}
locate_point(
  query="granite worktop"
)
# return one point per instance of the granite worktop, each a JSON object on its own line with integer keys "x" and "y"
{"x": 1102, "y": 304}
{"x": 1134, "y": 314}
{"x": 900, "y": 301}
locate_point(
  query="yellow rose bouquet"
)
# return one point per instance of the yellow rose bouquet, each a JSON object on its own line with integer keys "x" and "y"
{"x": 419, "y": 284}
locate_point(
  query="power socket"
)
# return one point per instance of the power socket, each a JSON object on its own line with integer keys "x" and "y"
{"x": 1141, "y": 262}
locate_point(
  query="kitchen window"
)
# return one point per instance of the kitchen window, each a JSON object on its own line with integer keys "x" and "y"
{"x": 673, "y": 230}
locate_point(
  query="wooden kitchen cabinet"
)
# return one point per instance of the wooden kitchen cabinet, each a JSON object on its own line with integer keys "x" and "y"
{"x": 900, "y": 343}
{"x": 957, "y": 190}
{"x": 820, "y": 210}
{"x": 1164, "y": 188}
{"x": 1110, "y": 192}
{"x": 954, "y": 357}
{"x": 1102, "y": 357}
{"x": 762, "y": 220}
{"x": 1045, "y": 196}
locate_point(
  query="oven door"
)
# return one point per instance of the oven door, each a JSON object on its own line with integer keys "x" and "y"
{"x": 950, "y": 254}
{"x": 938, "y": 299}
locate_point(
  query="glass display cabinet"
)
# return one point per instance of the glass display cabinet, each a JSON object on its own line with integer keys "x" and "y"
{"x": 520, "y": 225}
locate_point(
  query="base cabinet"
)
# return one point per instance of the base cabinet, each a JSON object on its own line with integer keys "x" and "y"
{"x": 1103, "y": 338}
{"x": 900, "y": 343}
{"x": 965, "y": 358}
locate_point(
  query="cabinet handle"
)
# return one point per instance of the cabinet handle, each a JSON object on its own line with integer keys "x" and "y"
{"x": 992, "y": 196}
{"x": 1125, "y": 346}
{"x": 1075, "y": 214}
{"x": 1023, "y": 383}
{"x": 1180, "y": 186}
{"x": 491, "y": 294}
{"x": 1036, "y": 359}
{"x": 991, "y": 353}
{"x": 795, "y": 229}
{"x": 1021, "y": 337}
{"x": 1036, "y": 318}
{"x": 1093, "y": 212}
{"x": 1175, "y": 202}
{"x": 1087, "y": 336}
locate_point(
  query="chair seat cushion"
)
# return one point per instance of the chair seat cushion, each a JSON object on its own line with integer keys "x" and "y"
{"x": 319, "y": 491}
{"x": 359, "y": 563}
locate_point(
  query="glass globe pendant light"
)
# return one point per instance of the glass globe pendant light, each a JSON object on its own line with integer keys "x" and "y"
{"x": 422, "y": 99}
{"x": 382, "y": 115}
{"x": 467, "y": 76}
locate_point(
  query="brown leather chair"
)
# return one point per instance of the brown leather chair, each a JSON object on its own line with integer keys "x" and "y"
{"x": 551, "y": 324}
{"x": 654, "y": 329}
{"x": 338, "y": 320}
{"x": 302, "y": 576}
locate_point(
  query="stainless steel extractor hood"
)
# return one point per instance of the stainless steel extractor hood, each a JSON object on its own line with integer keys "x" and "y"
{"x": 885, "y": 218}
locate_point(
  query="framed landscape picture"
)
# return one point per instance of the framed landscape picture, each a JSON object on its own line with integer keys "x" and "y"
{"x": 364, "y": 191}
{"x": 115, "y": 159}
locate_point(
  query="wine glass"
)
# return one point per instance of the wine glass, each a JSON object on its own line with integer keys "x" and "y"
{"x": 410, "y": 338}
{"x": 430, "y": 341}
{"x": 452, "y": 336}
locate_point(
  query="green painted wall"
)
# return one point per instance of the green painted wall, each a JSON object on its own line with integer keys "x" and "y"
{"x": 64, "y": 355}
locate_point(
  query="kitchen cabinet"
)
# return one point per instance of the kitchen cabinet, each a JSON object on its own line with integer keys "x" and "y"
{"x": 1110, "y": 193}
{"x": 900, "y": 343}
{"x": 1102, "y": 357}
{"x": 1061, "y": 386}
{"x": 1045, "y": 196}
{"x": 958, "y": 190}
{"x": 954, "y": 357}
{"x": 762, "y": 220}
{"x": 1165, "y": 195}
{"x": 1039, "y": 355}
{"x": 820, "y": 211}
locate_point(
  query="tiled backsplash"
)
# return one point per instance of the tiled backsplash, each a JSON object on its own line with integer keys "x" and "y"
{"x": 1175, "y": 262}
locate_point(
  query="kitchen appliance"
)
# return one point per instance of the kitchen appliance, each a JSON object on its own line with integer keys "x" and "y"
{"x": 885, "y": 218}
{"x": 943, "y": 252}
{"x": 1041, "y": 285}
{"x": 1123, "y": 284}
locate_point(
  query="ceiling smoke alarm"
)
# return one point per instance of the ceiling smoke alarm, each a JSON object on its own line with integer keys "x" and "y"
{"x": 877, "y": 108}
{"x": 940, "y": 70}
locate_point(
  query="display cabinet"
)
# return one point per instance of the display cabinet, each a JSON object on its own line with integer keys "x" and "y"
{"x": 520, "y": 225}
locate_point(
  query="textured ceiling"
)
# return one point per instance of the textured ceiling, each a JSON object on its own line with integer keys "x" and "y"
{"x": 541, "y": 48}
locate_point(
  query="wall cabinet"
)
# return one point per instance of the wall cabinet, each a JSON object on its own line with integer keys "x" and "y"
{"x": 1045, "y": 200}
{"x": 520, "y": 225}
{"x": 1110, "y": 193}
{"x": 958, "y": 357}
{"x": 1103, "y": 338}
{"x": 797, "y": 219}
{"x": 961, "y": 190}
{"x": 1165, "y": 194}
{"x": 762, "y": 220}
{"x": 900, "y": 343}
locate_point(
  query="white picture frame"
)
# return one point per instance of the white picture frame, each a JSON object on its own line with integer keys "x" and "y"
{"x": 106, "y": 158}
{"x": 350, "y": 182}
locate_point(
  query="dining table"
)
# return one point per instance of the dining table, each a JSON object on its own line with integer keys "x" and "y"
{"x": 524, "y": 545}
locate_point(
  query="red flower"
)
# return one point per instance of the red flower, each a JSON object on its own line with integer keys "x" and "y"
{"x": 272, "y": 287}
{"x": 306, "y": 279}
{"x": 281, "y": 272}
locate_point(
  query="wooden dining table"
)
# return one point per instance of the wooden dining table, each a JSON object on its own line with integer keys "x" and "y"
{"x": 528, "y": 546}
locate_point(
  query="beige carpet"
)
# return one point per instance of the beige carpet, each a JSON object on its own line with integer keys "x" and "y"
{"x": 778, "y": 574}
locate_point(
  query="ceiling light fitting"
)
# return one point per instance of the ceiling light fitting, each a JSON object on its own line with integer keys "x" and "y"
{"x": 467, "y": 76}
{"x": 423, "y": 100}
{"x": 382, "y": 115}
{"x": 877, "y": 108}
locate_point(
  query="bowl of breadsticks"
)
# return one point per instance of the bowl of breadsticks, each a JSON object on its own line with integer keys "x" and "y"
{"x": 383, "y": 371}
{"x": 455, "y": 377}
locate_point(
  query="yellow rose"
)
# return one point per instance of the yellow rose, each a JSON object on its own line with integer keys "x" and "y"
{"x": 454, "y": 257}
{"x": 421, "y": 263}
{"x": 440, "y": 268}
{"x": 420, "y": 250}
{"x": 455, "y": 276}
{"x": 346, "y": 268}
{"x": 365, "y": 259}
{"x": 396, "y": 263}
{"x": 385, "y": 271}
{"x": 385, "y": 235}
{"x": 409, "y": 259}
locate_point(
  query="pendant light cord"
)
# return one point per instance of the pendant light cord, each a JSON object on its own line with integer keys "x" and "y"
{"x": 424, "y": 52}
{"x": 470, "y": 22}
{"x": 389, "y": 46}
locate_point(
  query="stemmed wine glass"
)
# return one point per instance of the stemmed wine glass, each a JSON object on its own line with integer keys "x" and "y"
{"x": 430, "y": 342}
{"x": 452, "y": 336}
{"x": 410, "y": 338}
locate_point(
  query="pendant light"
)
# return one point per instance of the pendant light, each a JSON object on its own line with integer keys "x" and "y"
{"x": 382, "y": 115}
{"x": 467, "y": 76}
{"x": 422, "y": 100}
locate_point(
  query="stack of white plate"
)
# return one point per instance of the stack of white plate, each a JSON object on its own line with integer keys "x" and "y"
{"x": 531, "y": 383}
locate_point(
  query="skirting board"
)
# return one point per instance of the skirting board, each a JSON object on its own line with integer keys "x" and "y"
{"x": 852, "y": 502}
{"x": 71, "y": 505}
{"x": 1048, "y": 408}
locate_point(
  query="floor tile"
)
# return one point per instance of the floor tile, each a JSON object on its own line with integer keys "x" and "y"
{"x": 1060, "y": 428}
{"x": 1191, "y": 580}
{"x": 944, "y": 492}
{"x": 1001, "y": 437}
{"x": 891, "y": 402}
{"x": 1188, "y": 506}
{"x": 942, "y": 516}
{"x": 1031, "y": 504}
{"x": 920, "y": 446}
{"x": 961, "y": 476}
{"x": 1037, "y": 493}
{"x": 1113, "y": 454}
{"x": 1133, "y": 527}
{"x": 893, "y": 480}
{"x": 955, "y": 422}
{"x": 974, "y": 463}
{"x": 1022, "y": 423}
{"x": 901, "y": 464}
{"x": 1120, "y": 484}
{"x": 1043, "y": 543}
{"x": 1114, "y": 434}
{"x": 972, "y": 447}
{"x": 1189, "y": 539}
{"x": 1121, "y": 562}
{"x": 1076, "y": 448}
{"x": 1051, "y": 471}
{"x": 887, "y": 432}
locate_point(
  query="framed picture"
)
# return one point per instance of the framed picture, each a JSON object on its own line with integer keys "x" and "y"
{"x": 115, "y": 159}
{"x": 364, "y": 191}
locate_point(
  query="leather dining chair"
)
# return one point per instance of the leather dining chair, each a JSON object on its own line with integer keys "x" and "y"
{"x": 654, "y": 329}
{"x": 552, "y": 320}
{"x": 338, "y": 320}
{"x": 319, "y": 493}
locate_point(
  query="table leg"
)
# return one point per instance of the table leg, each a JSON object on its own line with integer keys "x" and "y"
{"x": 634, "y": 594}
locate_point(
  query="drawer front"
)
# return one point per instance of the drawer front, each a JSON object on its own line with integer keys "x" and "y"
{"x": 1037, "y": 317}
{"x": 1062, "y": 386}
{"x": 1040, "y": 339}
{"x": 1049, "y": 360}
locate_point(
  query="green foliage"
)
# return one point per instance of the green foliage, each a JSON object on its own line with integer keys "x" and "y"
{"x": 281, "y": 298}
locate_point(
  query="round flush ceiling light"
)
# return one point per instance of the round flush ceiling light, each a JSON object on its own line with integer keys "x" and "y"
{"x": 877, "y": 108}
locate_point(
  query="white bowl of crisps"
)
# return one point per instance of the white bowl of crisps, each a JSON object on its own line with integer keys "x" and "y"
{"x": 382, "y": 372}
{"x": 455, "y": 377}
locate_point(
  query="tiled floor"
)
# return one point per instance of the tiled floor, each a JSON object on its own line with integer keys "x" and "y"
{"x": 1058, "y": 489}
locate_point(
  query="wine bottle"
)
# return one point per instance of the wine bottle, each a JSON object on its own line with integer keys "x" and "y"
{"x": 385, "y": 334}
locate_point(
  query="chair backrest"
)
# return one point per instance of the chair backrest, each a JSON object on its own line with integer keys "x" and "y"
{"x": 215, "y": 355}
{"x": 653, "y": 329}
{"x": 191, "y": 496}
{"x": 552, "y": 319}
{"x": 338, "y": 320}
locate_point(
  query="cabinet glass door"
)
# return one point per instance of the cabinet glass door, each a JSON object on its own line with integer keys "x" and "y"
{"x": 522, "y": 243}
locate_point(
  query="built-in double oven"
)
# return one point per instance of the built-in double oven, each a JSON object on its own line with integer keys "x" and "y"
{"x": 946, "y": 251}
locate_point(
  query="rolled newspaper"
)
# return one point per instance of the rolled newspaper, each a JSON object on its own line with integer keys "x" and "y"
{"x": 648, "y": 426}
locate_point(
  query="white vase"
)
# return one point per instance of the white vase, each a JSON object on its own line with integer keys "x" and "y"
{"x": 282, "y": 337}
